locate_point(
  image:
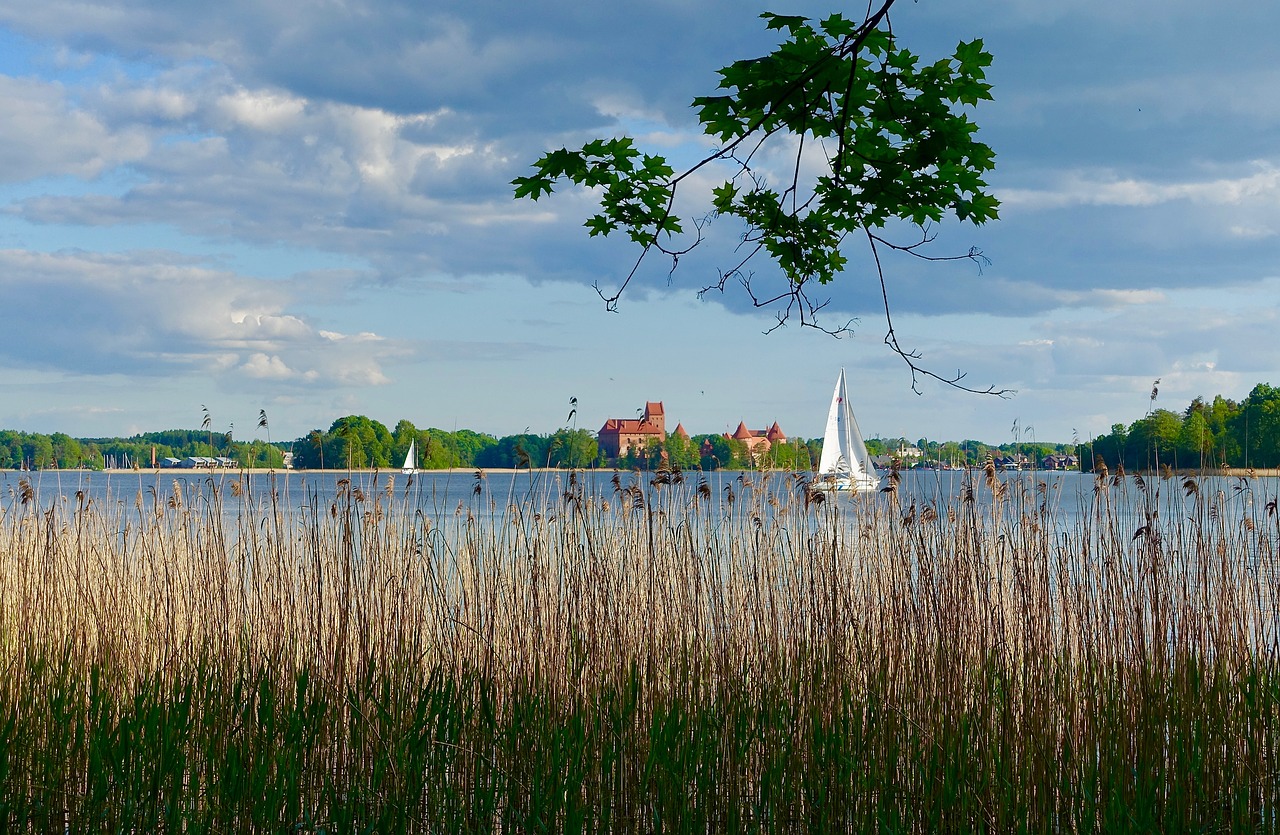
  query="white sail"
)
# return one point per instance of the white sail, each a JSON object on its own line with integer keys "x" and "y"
{"x": 845, "y": 464}
{"x": 410, "y": 461}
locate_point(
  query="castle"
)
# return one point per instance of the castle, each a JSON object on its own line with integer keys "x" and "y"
{"x": 759, "y": 441}
{"x": 618, "y": 436}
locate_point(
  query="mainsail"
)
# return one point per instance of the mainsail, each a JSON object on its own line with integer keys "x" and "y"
{"x": 845, "y": 464}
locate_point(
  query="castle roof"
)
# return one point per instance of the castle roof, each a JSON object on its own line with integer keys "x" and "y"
{"x": 647, "y": 424}
{"x": 628, "y": 426}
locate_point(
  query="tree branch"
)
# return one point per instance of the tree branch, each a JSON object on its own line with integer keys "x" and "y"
{"x": 910, "y": 357}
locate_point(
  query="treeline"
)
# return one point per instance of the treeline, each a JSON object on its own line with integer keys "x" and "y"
{"x": 1222, "y": 433}
{"x": 968, "y": 453}
{"x": 35, "y": 451}
{"x": 359, "y": 442}
{"x": 356, "y": 442}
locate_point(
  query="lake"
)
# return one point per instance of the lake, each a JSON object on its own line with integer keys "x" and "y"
{"x": 1064, "y": 495}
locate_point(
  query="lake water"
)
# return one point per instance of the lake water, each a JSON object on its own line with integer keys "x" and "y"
{"x": 1064, "y": 495}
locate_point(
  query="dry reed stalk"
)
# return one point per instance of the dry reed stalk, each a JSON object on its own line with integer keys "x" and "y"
{"x": 931, "y": 607}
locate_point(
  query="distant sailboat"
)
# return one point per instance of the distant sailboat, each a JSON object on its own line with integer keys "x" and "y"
{"x": 410, "y": 461}
{"x": 845, "y": 465}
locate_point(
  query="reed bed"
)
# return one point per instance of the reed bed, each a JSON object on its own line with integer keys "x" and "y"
{"x": 655, "y": 655}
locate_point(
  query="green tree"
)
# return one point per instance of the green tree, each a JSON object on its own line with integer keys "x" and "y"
{"x": 259, "y": 453}
{"x": 515, "y": 451}
{"x": 1195, "y": 441}
{"x": 39, "y": 451}
{"x": 362, "y": 442}
{"x": 886, "y": 133}
{"x": 404, "y": 434}
{"x": 1109, "y": 449}
{"x": 572, "y": 448}
{"x": 1153, "y": 441}
{"x": 66, "y": 450}
{"x": 1257, "y": 427}
{"x": 10, "y": 449}
{"x": 716, "y": 452}
{"x": 463, "y": 445}
{"x": 682, "y": 452}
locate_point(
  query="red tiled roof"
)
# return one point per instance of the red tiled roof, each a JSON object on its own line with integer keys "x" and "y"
{"x": 646, "y": 425}
{"x": 625, "y": 426}
{"x": 743, "y": 432}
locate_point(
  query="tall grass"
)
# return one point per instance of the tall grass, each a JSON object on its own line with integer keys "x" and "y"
{"x": 656, "y": 655}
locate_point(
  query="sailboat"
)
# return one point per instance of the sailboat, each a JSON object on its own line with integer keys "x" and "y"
{"x": 845, "y": 465}
{"x": 411, "y": 460}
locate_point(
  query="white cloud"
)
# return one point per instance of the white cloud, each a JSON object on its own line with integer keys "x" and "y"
{"x": 45, "y": 134}
{"x": 1097, "y": 188}
{"x": 383, "y": 136}
{"x": 266, "y": 112}
{"x": 151, "y": 314}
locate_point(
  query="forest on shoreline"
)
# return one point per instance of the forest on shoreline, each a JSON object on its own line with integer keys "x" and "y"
{"x": 359, "y": 442}
{"x": 1205, "y": 435}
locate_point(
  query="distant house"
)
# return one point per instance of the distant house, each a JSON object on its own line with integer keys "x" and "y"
{"x": 1061, "y": 462}
{"x": 619, "y": 436}
{"x": 1011, "y": 463}
{"x": 204, "y": 462}
{"x": 758, "y": 441}
{"x": 170, "y": 462}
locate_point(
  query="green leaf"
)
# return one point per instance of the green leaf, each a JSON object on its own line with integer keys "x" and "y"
{"x": 722, "y": 197}
{"x": 532, "y": 187}
{"x": 839, "y": 26}
{"x": 889, "y": 133}
{"x": 777, "y": 21}
{"x": 599, "y": 225}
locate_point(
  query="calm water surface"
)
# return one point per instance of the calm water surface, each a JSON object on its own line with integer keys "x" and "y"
{"x": 1065, "y": 495}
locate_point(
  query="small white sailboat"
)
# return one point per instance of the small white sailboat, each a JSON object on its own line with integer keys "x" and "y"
{"x": 411, "y": 460}
{"x": 845, "y": 465}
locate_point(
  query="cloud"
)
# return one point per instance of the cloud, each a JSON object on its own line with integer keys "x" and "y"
{"x": 149, "y": 314}
{"x": 266, "y": 367}
{"x": 232, "y": 163}
{"x": 518, "y": 68}
{"x": 47, "y": 135}
{"x": 1104, "y": 189}
{"x": 381, "y": 137}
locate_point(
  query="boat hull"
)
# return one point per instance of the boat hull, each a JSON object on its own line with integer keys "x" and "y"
{"x": 832, "y": 484}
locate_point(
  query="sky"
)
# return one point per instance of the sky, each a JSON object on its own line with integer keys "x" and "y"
{"x": 305, "y": 208}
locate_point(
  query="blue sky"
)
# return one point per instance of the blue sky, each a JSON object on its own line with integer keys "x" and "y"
{"x": 305, "y": 208}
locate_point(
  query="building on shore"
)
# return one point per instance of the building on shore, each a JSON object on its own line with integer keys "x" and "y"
{"x": 618, "y": 436}
{"x": 758, "y": 441}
